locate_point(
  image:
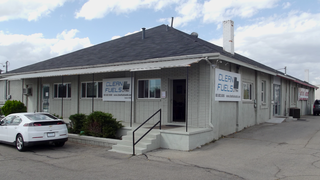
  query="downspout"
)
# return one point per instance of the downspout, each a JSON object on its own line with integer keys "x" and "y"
{"x": 187, "y": 94}
{"x": 286, "y": 99}
{"x": 5, "y": 90}
{"x": 131, "y": 101}
{"x": 210, "y": 94}
{"x": 92, "y": 101}
{"x": 22, "y": 90}
{"x": 38, "y": 94}
{"x": 61, "y": 98}
{"x": 78, "y": 95}
{"x": 255, "y": 105}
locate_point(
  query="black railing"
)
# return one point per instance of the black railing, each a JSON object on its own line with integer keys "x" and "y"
{"x": 159, "y": 122}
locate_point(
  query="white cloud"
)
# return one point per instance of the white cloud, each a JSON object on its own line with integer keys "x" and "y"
{"x": 286, "y": 5}
{"x": 129, "y": 33}
{"x": 31, "y": 10}
{"x": 93, "y": 9}
{"x": 21, "y": 49}
{"x": 187, "y": 10}
{"x": 280, "y": 41}
{"x": 217, "y": 11}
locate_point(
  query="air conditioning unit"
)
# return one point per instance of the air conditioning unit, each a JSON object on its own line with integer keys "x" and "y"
{"x": 27, "y": 91}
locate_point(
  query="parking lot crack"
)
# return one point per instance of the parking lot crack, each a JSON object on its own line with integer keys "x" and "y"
{"x": 277, "y": 173}
{"x": 180, "y": 162}
{"x": 315, "y": 165}
{"x": 311, "y": 138}
{"x": 50, "y": 157}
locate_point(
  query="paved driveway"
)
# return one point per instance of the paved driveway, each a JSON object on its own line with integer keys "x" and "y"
{"x": 78, "y": 161}
{"x": 290, "y": 150}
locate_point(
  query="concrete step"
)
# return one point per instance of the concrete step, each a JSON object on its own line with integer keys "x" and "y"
{"x": 146, "y": 139}
{"x": 150, "y": 142}
{"x": 128, "y": 149}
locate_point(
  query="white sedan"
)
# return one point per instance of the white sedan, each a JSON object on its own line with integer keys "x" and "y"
{"x": 27, "y": 129}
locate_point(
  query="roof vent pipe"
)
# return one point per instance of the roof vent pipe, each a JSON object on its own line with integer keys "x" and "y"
{"x": 172, "y": 22}
{"x": 143, "y": 33}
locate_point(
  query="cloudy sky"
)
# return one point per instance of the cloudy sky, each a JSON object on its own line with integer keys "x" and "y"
{"x": 277, "y": 33}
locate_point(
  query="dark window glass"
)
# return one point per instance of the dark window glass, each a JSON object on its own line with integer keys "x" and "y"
{"x": 55, "y": 91}
{"x": 83, "y": 90}
{"x": 149, "y": 88}
{"x": 143, "y": 89}
{"x": 69, "y": 90}
{"x": 91, "y": 89}
{"x": 100, "y": 89}
{"x": 62, "y": 91}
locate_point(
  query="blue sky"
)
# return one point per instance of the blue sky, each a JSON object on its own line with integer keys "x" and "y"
{"x": 277, "y": 33}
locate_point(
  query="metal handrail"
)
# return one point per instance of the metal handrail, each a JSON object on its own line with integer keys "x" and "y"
{"x": 133, "y": 140}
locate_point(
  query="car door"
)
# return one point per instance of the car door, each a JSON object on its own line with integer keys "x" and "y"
{"x": 12, "y": 129}
{"x": 7, "y": 121}
{"x": 4, "y": 128}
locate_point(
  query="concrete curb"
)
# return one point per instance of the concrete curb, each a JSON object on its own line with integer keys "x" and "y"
{"x": 97, "y": 141}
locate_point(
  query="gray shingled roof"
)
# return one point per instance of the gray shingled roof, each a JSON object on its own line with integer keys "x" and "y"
{"x": 158, "y": 43}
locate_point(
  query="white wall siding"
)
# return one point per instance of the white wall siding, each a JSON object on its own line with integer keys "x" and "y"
{"x": 263, "y": 108}
{"x": 31, "y": 101}
{"x": 2, "y": 92}
{"x": 15, "y": 90}
{"x": 204, "y": 94}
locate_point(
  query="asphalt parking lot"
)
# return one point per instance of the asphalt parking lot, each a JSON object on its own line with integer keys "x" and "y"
{"x": 290, "y": 150}
{"x": 76, "y": 161}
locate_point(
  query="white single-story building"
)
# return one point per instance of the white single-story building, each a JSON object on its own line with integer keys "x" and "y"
{"x": 317, "y": 96}
{"x": 204, "y": 91}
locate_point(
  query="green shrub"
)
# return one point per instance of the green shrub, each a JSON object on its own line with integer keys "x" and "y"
{"x": 13, "y": 106}
{"x": 57, "y": 116}
{"x": 77, "y": 122}
{"x": 101, "y": 124}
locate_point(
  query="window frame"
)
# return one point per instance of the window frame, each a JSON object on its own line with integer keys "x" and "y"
{"x": 149, "y": 92}
{"x": 251, "y": 95}
{"x": 56, "y": 90}
{"x": 86, "y": 90}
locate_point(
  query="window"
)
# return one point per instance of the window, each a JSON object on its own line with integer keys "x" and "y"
{"x": 7, "y": 120}
{"x": 16, "y": 121}
{"x": 40, "y": 117}
{"x": 149, "y": 88}
{"x": 91, "y": 90}
{"x": 62, "y": 90}
{"x": 247, "y": 91}
{"x": 263, "y": 91}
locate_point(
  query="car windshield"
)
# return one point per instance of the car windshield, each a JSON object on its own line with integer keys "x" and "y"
{"x": 317, "y": 102}
{"x": 36, "y": 117}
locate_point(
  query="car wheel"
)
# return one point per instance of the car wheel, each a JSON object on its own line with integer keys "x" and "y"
{"x": 20, "y": 143}
{"x": 59, "y": 144}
